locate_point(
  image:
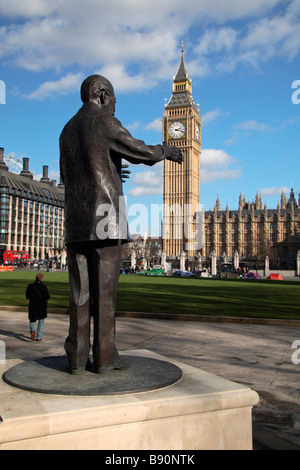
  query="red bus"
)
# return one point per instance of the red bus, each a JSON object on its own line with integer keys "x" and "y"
{"x": 11, "y": 256}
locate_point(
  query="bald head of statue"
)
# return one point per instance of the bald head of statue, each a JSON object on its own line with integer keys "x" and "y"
{"x": 99, "y": 90}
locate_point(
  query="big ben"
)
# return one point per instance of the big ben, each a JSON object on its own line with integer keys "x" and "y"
{"x": 181, "y": 183}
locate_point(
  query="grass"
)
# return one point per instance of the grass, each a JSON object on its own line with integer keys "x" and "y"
{"x": 242, "y": 298}
{"x": 13, "y": 288}
{"x": 260, "y": 299}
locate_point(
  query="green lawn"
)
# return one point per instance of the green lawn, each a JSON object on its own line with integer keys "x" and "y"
{"x": 265, "y": 299}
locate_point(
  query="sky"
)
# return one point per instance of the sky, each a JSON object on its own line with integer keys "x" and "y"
{"x": 242, "y": 57}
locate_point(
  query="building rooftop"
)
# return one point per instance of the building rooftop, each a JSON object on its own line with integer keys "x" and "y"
{"x": 24, "y": 185}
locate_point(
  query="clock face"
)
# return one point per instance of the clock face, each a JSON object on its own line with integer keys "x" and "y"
{"x": 177, "y": 130}
{"x": 197, "y": 132}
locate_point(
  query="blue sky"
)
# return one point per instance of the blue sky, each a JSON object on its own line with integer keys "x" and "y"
{"x": 242, "y": 57}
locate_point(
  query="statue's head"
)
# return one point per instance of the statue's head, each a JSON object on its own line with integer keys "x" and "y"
{"x": 99, "y": 90}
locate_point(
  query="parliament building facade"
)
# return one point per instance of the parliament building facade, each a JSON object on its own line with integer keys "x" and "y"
{"x": 252, "y": 232}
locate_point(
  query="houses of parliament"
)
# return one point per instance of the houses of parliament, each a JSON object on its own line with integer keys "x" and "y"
{"x": 253, "y": 231}
{"x": 32, "y": 212}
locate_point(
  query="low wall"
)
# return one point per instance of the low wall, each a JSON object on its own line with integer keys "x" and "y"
{"x": 283, "y": 274}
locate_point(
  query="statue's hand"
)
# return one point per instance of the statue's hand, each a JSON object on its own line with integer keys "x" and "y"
{"x": 172, "y": 153}
{"x": 125, "y": 173}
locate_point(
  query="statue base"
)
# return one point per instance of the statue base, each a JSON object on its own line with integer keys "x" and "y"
{"x": 51, "y": 375}
{"x": 197, "y": 412}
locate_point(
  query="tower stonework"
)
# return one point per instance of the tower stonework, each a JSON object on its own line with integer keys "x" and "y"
{"x": 181, "y": 183}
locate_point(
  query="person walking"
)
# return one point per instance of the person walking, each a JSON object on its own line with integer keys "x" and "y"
{"x": 38, "y": 296}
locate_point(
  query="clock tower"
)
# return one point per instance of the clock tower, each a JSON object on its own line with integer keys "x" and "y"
{"x": 181, "y": 183}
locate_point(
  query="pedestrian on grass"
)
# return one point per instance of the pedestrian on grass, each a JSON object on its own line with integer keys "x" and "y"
{"x": 38, "y": 295}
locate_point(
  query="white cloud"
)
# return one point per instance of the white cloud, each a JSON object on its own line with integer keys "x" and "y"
{"x": 89, "y": 34}
{"x": 28, "y": 8}
{"x": 269, "y": 32}
{"x": 246, "y": 128}
{"x": 276, "y": 34}
{"x": 253, "y": 125}
{"x": 148, "y": 178}
{"x": 274, "y": 190}
{"x": 229, "y": 63}
{"x": 67, "y": 84}
{"x": 133, "y": 13}
{"x": 148, "y": 182}
{"x": 52, "y": 175}
{"x": 155, "y": 125}
{"x": 142, "y": 191}
{"x": 122, "y": 81}
{"x": 211, "y": 115}
{"x": 232, "y": 140}
{"x": 216, "y": 40}
{"x": 216, "y": 165}
{"x": 137, "y": 45}
{"x": 133, "y": 126}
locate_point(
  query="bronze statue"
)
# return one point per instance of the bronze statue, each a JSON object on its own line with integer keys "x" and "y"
{"x": 92, "y": 146}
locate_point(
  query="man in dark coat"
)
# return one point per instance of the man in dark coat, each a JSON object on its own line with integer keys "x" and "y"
{"x": 92, "y": 145}
{"x": 38, "y": 295}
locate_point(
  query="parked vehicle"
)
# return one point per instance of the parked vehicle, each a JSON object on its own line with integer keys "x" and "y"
{"x": 183, "y": 273}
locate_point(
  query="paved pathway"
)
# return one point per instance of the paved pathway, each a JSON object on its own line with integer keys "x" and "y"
{"x": 257, "y": 355}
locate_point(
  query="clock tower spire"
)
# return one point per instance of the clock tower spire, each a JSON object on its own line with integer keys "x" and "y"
{"x": 182, "y": 87}
{"x": 181, "y": 183}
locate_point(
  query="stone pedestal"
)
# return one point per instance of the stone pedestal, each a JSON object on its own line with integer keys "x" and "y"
{"x": 213, "y": 263}
{"x": 199, "y": 411}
